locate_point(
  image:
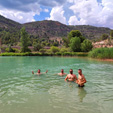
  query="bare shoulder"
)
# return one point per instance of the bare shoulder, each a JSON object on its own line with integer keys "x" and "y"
{"x": 74, "y": 75}
{"x": 83, "y": 75}
{"x": 68, "y": 75}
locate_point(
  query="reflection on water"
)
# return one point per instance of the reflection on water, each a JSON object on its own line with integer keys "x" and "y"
{"x": 22, "y": 92}
{"x": 81, "y": 93}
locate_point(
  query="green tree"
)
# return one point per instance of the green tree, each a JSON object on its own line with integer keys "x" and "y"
{"x": 24, "y": 40}
{"x": 86, "y": 46}
{"x": 111, "y": 34}
{"x": 75, "y": 44}
{"x": 55, "y": 43}
{"x": 37, "y": 46}
{"x": 104, "y": 36}
{"x": 66, "y": 41}
{"x": 76, "y": 33}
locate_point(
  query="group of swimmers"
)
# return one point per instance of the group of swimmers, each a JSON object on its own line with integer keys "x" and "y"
{"x": 70, "y": 77}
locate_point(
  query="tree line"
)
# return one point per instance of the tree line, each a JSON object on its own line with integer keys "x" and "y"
{"x": 74, "y": 42}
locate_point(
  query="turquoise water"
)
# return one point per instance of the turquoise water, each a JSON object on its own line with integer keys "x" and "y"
{"x": 22, "y": 92}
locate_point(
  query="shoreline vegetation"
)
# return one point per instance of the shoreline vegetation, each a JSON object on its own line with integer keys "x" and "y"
{"x": 101, "y": 53}
{"x": 104, "y": 54}
{"x": 84, "y": 54}
{"x": 75, "y": 44}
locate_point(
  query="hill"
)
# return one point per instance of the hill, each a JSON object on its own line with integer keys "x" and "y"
{"x": 48, "y": 28}
{"x": 53, "y": 28}
{"x": 8, "y": 25}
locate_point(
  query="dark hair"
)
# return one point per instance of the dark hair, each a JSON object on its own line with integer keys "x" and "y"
{"x": 80, "y": 70}
{"x": 71, "y": 71}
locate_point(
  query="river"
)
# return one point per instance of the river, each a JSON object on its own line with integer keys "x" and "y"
{"x": 22, "y": 92}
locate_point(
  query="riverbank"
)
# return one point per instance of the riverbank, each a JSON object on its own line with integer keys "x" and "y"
{"x": 84, "y": 54}
{"x": 69, "y": 54}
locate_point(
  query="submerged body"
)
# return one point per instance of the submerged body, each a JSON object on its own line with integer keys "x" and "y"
{"x": 39, "y": 72}
{"x": 62, "y": 73}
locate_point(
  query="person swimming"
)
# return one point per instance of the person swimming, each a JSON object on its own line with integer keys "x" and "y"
{"x": 39, "y": 72}
{"x": 71, "y": 77}
{"x": 81, "y": 79}
{"x": 62, "y": 73}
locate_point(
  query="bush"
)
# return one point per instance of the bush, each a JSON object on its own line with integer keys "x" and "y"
{"x": 37, "y": 46}
{"x": 104, "y": 36}
{"x": 62, "y": 50}
{"x": 58, "y": 53}
{"x": 54, "y": 49}
{"x": 42, "y": 50}
{"x": 101, "y": 53}
{"x": 10, "y": 50}
{"x": 16, "y": 50}
{"x": 26, "y": 50}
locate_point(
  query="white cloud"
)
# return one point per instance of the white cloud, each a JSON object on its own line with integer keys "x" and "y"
{"x": 21, "y": 17}
{"x": 92, "y": 13}
{"x": 73, "y": 12}
{"x": 57, "y": 14}
{"x": 74, "y": 21}
{"x": 46, "y": 10}
{"x": 70, "y": 1}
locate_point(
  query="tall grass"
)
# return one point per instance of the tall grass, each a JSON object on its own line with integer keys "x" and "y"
{"x": 101, "y": 53}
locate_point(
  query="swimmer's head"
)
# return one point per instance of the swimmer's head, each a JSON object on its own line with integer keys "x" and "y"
{"x": 38, "y": 70}
{"x": 71, "y": 71}
{"x": 80, "y": 71}
{"x": 62, "y": 71}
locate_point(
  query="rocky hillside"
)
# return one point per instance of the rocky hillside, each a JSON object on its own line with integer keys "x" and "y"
{"x": 45, "y": 29}
{"x": 8, "y": 25}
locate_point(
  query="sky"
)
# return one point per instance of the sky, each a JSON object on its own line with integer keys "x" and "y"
{"x": 70, "y": 12}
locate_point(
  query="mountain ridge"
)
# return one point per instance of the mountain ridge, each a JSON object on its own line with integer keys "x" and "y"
{"x": 49, "y": 28}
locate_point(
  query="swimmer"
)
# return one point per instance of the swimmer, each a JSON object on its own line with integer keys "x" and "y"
{"x": 62, "y": 73}
{"x": 71, "y": 77}
{"x": 39, "y": 72}
{"x": 81, "y": 79}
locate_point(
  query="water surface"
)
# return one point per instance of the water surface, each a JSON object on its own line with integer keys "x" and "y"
{"x": 22, "y": 92}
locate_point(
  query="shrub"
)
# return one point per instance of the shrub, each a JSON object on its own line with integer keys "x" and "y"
{"x": 37, "y": 46}
{"x": 42, "y": 50}
{"x": 10, "y": 50}
{"x": 62, "y": 50}
{"x": 58, "y": 53}
{"x": 27, "y": 50}
{"x": 101, "y": 53}
{"x": 54, "y": 49}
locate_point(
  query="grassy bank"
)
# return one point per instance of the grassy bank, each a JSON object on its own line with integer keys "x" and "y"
{"x": 46, "y": 54}
{"x": 101, "y": 53}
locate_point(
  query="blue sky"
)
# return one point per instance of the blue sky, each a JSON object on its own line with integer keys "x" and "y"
{"x": 71, "y": 12}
